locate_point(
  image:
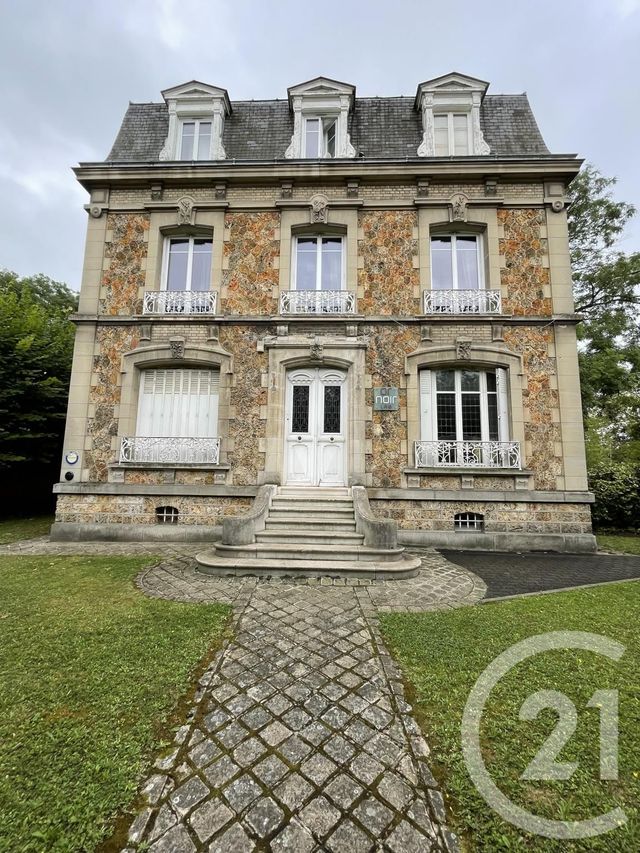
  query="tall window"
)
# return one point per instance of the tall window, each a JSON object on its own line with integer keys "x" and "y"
{"x": 464, "y": 405}
{"x": 195, "y": 140}
{"x": 318, "y": 263}
{"x": 451, "y": 134}
{"x": 455, "y": 262}
{"x": 178, "y": 404}
{"x": 187, "y": 263}
{"x": 320, "y": 137}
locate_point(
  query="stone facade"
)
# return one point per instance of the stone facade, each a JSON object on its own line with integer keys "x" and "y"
{"x": 384, "y": 219}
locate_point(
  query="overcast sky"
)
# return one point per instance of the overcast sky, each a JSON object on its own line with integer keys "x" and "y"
{"x": 71, "y": 66}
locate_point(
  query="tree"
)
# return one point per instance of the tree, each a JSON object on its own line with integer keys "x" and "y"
{"x": 607, "y": 294}
{"x": 36, "y": 348}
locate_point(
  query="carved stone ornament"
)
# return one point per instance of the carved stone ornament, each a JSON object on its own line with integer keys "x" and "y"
{"x": 221, "y": 190}
{"x": 286, "y": 189}
{"x": 557, "y": 206}
{"x": 96, "y": 211}
{"x": 458, "y": 204}
{"x": 316, "y": 351}
{"x": 463, "y": 350}
{"x": 319, "y": 209}
{"x": 177, "y": 348}
{"x": 156, "y": 192}
{"x": 185, "y": 210}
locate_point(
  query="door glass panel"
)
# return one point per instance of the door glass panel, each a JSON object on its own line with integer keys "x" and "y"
{"x": 446, "y": 414}
{"x": 201, "y": 265}
{"x": 331, "y": 408}
{"x": 331, "y": 263}
{"x": 467, "y": 258}
{"x": 312, "y": 137}
{"x": 306, "y": 261}
{"x": 471, "y": 423}
{"x": 300, "y": 409}
{"x": 188, "y": 135}
{"x": 177, "y": 269}
{"x": 204, "y": 140}
{"x": 441, "y": 269}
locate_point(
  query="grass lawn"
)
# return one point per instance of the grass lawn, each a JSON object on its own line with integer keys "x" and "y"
{"x": 442, "y": 654}
{"x": 90, "y": 670}
{"x": 13, "y": 529}
{"x": 620, "y": 544}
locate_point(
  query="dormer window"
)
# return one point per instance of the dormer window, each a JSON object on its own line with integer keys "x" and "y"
{"x": 451, "y": 134}
{"x": 197, "y": 113}
{"x": 321, "y": 110}
{"x": 320, "y": 137}
{"x": 450, "y": 110}
{"x": 195, "y": 140}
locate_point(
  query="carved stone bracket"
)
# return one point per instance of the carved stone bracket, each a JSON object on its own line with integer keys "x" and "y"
{"x": 221, "y": 190}
{"x": 423, "y": 188}
{"x": 186, "y": 210}
{"x": 463, "y": 349}
{"x": 353, "y": 189}
{"x": 316, "y": 351}
{"x": 177, "y": 347}
{"x": 458, "y": 204}
{"x": 157, "y": 191}
{"x": 319, "y": 209}
{"x": 286, "y": 189}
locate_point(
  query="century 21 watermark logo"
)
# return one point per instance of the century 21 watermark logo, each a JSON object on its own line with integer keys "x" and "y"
{"x": 543, "y": 766}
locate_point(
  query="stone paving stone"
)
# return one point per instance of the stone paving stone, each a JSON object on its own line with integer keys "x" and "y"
{"x": 319, "y": 816}
{"x": 234, "y": 840}
{"x": 264, "y": 817}
{"x": 348, "y": 838}
{"x": 188, "y": 795}
{"x": 305, "y": 683}
{"x": 210, "y": 818}
{"x": 294, "y": 838}
{"x": 294, "y": 791}
{"x": 177, "y": 840}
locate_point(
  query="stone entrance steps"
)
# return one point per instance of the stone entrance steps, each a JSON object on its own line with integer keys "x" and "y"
{"x": 309, "y": 532}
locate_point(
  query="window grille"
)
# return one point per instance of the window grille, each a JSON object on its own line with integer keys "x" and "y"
{"x": 166, "y": 515}
{"x": 468, "y": 521}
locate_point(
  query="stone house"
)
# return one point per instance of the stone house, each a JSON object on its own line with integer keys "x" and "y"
{"x": 328, "y": 291}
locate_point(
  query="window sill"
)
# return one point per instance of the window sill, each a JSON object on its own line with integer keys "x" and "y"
{"x": 483, "y": 472}
{"x": 164, "y": 466}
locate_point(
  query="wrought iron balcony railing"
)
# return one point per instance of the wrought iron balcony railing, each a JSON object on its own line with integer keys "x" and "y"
{"x": 462, "y": 302}
{"x": 317, "y": 302}
{"x": 468, "y": 454}
{"x": 140, "y": 448}
{"x": 180, "y": 302}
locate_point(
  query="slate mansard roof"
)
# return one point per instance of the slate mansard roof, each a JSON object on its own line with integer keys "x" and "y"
{"x": 380, "y": 129}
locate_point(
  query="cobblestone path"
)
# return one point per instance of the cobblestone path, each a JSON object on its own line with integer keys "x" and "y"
{"x": 300, "y": 738}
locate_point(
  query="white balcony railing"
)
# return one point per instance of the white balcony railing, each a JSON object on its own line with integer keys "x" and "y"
{"x": 317, "y": 302}
{"x": 468, "y": 454}
{"x": 180, "y": 302}
{"x": 462, "y": 302}
{"x": 139, "y": 448}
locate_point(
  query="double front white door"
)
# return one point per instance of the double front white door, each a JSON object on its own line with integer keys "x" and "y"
{"x": 315, "y": 427}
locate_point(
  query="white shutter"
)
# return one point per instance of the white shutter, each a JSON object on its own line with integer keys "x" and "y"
{"x": 179, "y": 403}
{"x": 503, "y": 404}
{"x": 426, "y": 405}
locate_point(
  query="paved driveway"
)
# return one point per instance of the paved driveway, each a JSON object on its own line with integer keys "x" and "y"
{"x": 515, "y": 574}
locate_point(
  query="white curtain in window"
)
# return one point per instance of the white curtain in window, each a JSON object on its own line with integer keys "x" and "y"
{"x": 178, "y": 403}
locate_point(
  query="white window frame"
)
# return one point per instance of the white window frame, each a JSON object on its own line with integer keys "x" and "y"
{"x": 165, "y": 261}
{"x": 322, "y": 140}
{"x": 450, "y": 133}
{"x": 453, "y": 235}
{"x": 318, "y": 238}
{"x": 429, "y": 401}
{"x": 196, "y": 136}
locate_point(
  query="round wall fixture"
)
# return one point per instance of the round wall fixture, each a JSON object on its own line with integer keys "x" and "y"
{"x": 71, "y": 458}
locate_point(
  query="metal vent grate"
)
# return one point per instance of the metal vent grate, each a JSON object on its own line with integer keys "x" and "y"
{"x": 468, "y": 521}
{"x": 166, "y": 515}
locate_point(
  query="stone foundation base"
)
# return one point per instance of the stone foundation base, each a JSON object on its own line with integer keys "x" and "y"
{"x": 570, "y": 543}
{"x": 74, "y": 532}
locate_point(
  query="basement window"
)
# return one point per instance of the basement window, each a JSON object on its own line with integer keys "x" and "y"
{"x": 468, "y": 521}
{"x": 166, "y": 515}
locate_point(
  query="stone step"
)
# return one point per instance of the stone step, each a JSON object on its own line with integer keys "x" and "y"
{"x": 311, "y": 505}
{"x": 307, "y": 551}
{"x": 305, "y": 523}
{"x": 215, "y": 564}
{"x": 298, "y": 514}
{"x": 311, "y": 537}
{"x": 315, "y": 490}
